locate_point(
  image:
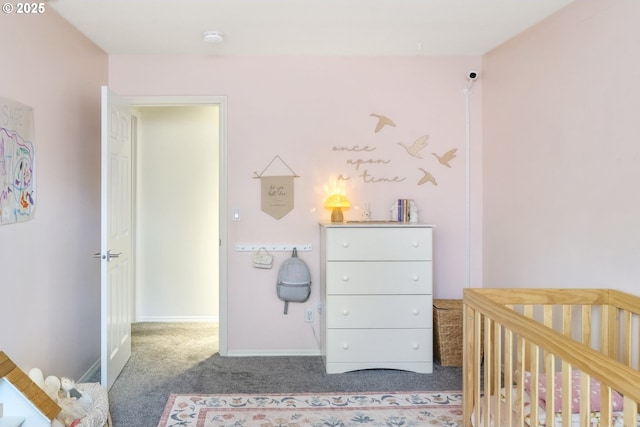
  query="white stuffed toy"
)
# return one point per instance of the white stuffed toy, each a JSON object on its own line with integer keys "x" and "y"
{"x": 69, "y": 387}
{"x": 51, "y": 384}
{"x": 37, "y": 377}
{"x": 52, "y": 387}
{"x": 75, "y": 405}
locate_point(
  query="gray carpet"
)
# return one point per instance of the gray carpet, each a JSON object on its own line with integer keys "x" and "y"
{"x": 182, "y": 358}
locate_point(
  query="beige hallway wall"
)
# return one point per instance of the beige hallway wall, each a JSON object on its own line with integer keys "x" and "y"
{"x": 177, "y": 214}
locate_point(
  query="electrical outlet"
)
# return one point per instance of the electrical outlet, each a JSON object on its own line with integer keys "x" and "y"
{"x": 308, "y": 315}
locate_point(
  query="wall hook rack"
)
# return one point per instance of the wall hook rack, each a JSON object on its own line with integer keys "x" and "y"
{"x": 252, "y": 247}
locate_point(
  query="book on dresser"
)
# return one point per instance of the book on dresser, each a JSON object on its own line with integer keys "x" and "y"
{"x": 376, "y": 285}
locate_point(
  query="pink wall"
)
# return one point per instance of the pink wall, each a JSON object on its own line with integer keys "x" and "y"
{"x": 561, "y": 109}
{"x": 49, "y": 283}
{"x": 554, "y": 166}
{"x": 300, "y": 108}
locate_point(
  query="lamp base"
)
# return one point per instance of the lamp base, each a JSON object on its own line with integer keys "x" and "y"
{"x": 336, "y": 215}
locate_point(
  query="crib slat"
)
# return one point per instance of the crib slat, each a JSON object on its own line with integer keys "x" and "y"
{"x": 487, "y": 365}
{"x": 605, "y": 405}
{"x": 535, "y": 382}
{"x": 531, "y": 364}
{"x": 478, "y": 362}
{"x": 586, "y": 325}
{"x": 614, "y": 335}
{"x": 547, "y": 320}
{"x": 566, "y": 369}
{"x": 605, "y": 346}
{"x": 497, "y": 352}
{"x": 549, "y": 362}
{"x": 637, "y": 366}
{"x": 636, "y": 341}
{"x": 585, "y": 404}
{"x": 626, "y": 337}
{"x": 566, "y": 393}
{"x": 550, "y": 369}
{"x": 519, "y": 406}
{"x": 508, "y": 372}
{"x": 471, "y": 373}
{"x": 527, "y": 310}
{"x": 630, "y": 412}
{"x": 566, "y": 320}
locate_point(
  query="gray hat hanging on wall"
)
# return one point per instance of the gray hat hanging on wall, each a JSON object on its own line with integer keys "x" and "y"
{"x": 294, "y": 281}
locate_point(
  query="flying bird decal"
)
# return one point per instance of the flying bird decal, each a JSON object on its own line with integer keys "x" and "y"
{"x": 427, "y": 178}
{"x": 418, "y": 144}
{"x": 382, "y": 122}
{"x": 446, "y": 157}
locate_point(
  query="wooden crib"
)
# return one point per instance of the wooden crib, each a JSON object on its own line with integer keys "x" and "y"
{"x": 551, "y": 347}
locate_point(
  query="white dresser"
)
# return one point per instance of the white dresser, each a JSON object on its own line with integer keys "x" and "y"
{"x": 376, "y": 291}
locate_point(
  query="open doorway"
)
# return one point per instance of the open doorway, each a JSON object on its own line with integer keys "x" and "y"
{"x": 180, "y": 211}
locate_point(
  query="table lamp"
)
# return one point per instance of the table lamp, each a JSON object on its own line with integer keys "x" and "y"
{"x": 336, "y": 202}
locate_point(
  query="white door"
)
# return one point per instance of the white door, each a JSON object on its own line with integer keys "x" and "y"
{"x": 116, "y": 273}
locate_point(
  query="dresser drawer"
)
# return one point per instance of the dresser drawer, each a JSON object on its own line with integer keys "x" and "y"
{"x": 378, "y": 244}
{"x": 379, "y": 345}
{"x": 379, "y": 311}
{"x": 394, "y": 277}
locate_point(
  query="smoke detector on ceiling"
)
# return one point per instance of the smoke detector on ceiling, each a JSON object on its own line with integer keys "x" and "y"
{"x": 212, "y": 37}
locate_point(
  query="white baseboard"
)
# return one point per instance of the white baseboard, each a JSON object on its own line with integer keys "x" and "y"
{"x": 93, "y": 370}
{"x": 178, "y": 319}
{"x": 256, "y": 353}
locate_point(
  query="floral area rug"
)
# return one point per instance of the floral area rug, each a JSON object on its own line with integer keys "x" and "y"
{"x": 407, "y": 409}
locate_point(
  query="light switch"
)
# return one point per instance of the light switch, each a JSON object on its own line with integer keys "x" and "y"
{"x": 236, "y": 214}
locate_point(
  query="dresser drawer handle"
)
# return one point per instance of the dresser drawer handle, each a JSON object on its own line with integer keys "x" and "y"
{"x": 345, "y": 244}
{"x": 415, "y": 277}
{"x": 415, "y": 311}
{"x": 345, "y": 346}
{"x": 415, "y": 244}
{"x": 345, "y": 312}
{"x": 345, "y": 278}
{"x": 416, "y": 346}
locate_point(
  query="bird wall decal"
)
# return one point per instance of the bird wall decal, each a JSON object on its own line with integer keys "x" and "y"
{"x": 382, "y": 122}
{"x": 418, "y": 144}
{"x": 446, "y": 157}
{"x": 427, "y": 178}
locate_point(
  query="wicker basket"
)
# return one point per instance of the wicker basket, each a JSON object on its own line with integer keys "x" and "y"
{"x": 99, "y": 415}
{"x": 447, "y": 331}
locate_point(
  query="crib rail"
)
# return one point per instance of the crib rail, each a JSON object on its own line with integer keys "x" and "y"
{"x": 550, "y": 339}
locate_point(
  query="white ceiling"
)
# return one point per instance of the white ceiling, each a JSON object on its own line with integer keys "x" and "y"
{"x": 304, "y": 27}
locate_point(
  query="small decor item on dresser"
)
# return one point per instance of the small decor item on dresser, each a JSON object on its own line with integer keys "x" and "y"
{"x": 404, "y": 210}
{"x": 336, "y": 202}
{"x": 262, "y": 259}
{"x": 294, "y": 281}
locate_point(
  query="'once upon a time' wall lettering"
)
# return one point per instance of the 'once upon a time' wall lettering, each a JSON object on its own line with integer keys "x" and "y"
{"x": 359, "y": 162}
{"x": 368, "y": 178}
{"x": 354, "y": 148}
{"x": 374, "y": 173}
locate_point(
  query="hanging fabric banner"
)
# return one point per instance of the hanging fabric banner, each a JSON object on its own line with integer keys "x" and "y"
{"x": 276, "y": 190}
{"x": 277, "y": 195}
{"x": 17, "y": 162}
